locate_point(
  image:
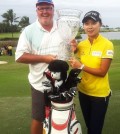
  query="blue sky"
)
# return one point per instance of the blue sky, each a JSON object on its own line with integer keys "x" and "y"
{"x": 109, "y": 9}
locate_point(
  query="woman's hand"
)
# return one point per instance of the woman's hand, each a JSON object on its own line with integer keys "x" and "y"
{"x": 73, "y": 45}
{"x": 74, "y": 63}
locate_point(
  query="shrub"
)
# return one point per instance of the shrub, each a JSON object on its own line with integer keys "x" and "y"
{"x": 13, "y": 43}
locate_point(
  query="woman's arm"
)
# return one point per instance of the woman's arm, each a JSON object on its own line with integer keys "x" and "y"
{"x": 105, "y": 64}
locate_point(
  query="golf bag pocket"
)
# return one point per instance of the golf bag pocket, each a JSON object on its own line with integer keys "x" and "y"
{"x": 75, "y": 127}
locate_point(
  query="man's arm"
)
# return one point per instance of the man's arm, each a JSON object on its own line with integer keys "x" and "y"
{"x": 32, "y": 58}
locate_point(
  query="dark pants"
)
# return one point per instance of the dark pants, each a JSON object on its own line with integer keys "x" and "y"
{"x": 94, "y": 110}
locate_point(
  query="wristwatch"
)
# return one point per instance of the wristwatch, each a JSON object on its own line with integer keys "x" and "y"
{"x": 81, "y": 67}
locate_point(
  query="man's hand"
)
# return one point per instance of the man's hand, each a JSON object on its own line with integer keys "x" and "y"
{"x": 49, "y": 58}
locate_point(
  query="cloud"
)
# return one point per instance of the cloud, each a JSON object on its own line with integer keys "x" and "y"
{"x": 88, "y": 3}
{"x": 109, "y": 9}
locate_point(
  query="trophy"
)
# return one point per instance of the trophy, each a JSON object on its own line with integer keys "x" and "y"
{"x": 68, "y": 26}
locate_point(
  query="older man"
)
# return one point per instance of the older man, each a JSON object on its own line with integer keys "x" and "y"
{"x": 37, "y": 46}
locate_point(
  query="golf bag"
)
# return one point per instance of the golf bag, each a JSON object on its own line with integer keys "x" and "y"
{"x": 60, "y": 89}
{"x": 61, "y": 119}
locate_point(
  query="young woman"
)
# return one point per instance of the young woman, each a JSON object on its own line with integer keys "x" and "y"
{"x": 95, "y": 55}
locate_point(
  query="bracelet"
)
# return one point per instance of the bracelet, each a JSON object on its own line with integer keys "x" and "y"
{"x": 81, "y": 67}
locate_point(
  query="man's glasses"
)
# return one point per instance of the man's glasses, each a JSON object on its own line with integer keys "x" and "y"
{"x": 41, "y": 9}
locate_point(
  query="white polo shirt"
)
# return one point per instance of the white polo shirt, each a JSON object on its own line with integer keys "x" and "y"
{"x": 36, "y": 40}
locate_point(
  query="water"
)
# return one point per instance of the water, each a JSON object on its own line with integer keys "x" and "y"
{"x": 109, "y": 35}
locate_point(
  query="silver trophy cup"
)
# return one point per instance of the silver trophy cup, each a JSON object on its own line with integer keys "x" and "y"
{"x": 68, "y": 26}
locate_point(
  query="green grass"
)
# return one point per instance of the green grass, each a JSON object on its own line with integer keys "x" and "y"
{"x": 13, "y": 76}
{"x": 9, "y": 35}
{"x": 15, "y": 115}
{"x": 15, "y": 98}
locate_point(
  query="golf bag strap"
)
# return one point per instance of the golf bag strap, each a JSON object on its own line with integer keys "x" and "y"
{"x": 49, "y": 132}
{"x": 70, "y": 117}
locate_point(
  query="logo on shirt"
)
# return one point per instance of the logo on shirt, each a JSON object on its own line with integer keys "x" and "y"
{"x": 96, "y": 53}
{"x": 109, "y": 52}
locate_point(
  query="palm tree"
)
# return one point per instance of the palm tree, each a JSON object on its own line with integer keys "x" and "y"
{"x": 10, "y": 18}
{"x": 24, "y": 22}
